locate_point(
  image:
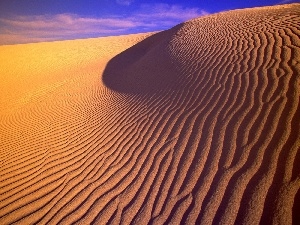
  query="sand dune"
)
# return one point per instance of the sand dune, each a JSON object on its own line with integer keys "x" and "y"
{"x": 199, "y": 124}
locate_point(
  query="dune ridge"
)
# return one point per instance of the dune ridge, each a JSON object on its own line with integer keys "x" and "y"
{"x": 199, "y": 124}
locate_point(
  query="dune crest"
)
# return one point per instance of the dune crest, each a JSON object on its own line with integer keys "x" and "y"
{"x": 199, "y": 124}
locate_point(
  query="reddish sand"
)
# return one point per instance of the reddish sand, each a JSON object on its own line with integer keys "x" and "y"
{"x": 199, "y": 124}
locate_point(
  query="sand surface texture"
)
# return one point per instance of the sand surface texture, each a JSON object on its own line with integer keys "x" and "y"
{"x": 199, "y": 124}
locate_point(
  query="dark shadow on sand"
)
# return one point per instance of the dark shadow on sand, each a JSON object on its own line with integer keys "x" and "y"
{"x": 143, "y": 68}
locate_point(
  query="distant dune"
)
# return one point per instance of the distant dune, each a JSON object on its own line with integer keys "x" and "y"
{"x": 199, "y": 124}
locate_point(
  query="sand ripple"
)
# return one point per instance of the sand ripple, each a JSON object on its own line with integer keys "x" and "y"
{"x": 199, "y": 124}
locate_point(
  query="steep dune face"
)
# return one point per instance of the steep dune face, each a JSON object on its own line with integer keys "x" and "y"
{"x": 199, "y": 124}
{"x": 145, "y": 67}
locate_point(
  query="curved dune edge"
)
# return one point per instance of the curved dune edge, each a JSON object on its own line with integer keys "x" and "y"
{"x": 199, "y": 124}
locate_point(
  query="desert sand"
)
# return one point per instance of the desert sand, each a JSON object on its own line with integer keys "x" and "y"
{"x": 199, "y": 124}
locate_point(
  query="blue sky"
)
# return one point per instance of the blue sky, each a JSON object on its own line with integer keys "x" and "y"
{"x": 26, "y": 21}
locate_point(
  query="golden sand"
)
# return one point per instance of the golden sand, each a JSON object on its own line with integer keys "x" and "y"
{"x": 199, "y": 124}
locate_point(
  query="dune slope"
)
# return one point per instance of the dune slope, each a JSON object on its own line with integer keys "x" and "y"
{"x": 199, "y": 124}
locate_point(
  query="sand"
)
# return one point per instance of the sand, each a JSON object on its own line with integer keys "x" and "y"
{"x": 199, "y": 124}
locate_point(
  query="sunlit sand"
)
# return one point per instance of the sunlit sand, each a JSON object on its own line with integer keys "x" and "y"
{"x": 199, "y": 124}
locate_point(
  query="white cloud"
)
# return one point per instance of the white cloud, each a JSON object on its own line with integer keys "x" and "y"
{"x": 25, "y": 29}
{"x": 59, "y": 27}
{"x": 170, "y": 12}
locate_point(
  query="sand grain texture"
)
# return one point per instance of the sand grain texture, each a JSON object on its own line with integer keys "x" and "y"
{"x": 199, "y": 124}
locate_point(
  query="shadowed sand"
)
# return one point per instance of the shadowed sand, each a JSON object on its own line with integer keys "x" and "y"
{"x": 199, "y": 124}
